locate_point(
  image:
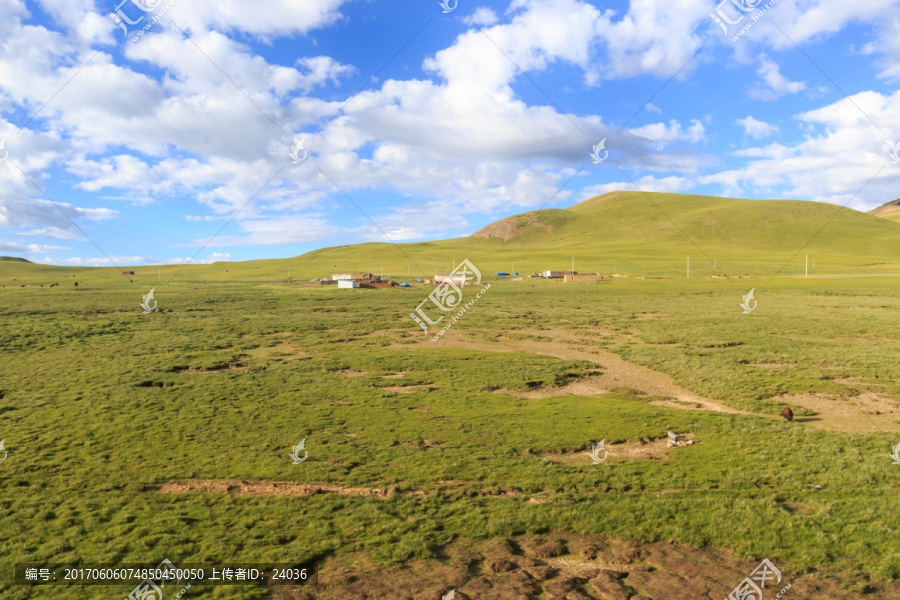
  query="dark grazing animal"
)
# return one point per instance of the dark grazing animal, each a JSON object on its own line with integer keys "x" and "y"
{"x": 787, "y": 414}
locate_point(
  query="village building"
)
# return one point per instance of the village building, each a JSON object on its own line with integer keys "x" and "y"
{"x": 459, "y": 279}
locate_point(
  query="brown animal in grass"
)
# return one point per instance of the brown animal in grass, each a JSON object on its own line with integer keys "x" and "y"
{"x": 787, "y": 414}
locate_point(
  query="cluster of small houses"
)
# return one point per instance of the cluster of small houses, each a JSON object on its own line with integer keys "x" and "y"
{"x": 359, "y": 280}
{"x": 372, "y": 281}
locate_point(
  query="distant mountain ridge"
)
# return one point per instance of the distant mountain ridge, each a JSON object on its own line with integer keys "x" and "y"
{"x": 888, "y": 210}
{"x": 14, "y": 258}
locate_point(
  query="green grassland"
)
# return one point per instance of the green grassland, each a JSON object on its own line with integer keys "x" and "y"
{"x": 101, "y": 404}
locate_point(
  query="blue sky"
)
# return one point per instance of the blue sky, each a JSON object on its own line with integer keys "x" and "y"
{"x": 173, "y": 142}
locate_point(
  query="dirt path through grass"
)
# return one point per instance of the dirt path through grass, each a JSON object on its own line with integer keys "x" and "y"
{"x": 617, "y": 372}
{"x": 244, "y": 487}
{"x": 864, "y": 413}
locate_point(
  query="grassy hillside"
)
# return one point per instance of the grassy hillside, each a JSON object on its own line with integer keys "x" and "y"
{"x": 649, "y": 235}
{"x": 629, "y": 232}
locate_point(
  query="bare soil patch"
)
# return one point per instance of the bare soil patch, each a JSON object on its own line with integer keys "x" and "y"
{"x": 645, "y": 316}
{"x": 564, "y": 566}
{"x": 217, "y": 369}
{"x": 271, "y": 488}
{"x": 408, "y": 389}
{"x": 865, "y": 413}
{"x": 630, "y": 450}
{"x": 510, "y": 227}
{"x": 423, "y": 444}
{"x": 244, "y": 487}
{"x": 352, "y": 373}
{"x": 585, "y": 386}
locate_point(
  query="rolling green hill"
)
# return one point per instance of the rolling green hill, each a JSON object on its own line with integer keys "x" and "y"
{"x": 650, "y": 235}
{"x": 626, "y": 232}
